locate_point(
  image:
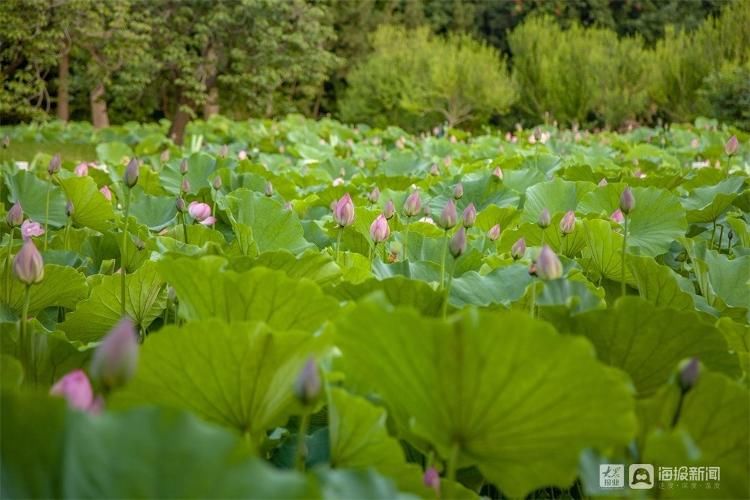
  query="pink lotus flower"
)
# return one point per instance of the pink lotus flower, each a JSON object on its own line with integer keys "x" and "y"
{"x": 28, "y": 265}
{"x": 548, "y": 265}
{"x": 106, "y": 192}
{"x": 343, "y": 212}
{"x": 731, "y": 146}
{"x": 81, "y": 170}
{"x": 603, "y": 182}
{"x": 458, "y": 191}
{"x": 494, "y": 233}
{"x": 413, "y": 204}
{"x": 518, "y": 250}
{"x": 115, "y": 359}
{"x": 469, "y": 216}
{"x": 201, "y": 212}
{"x": 617, "y": 216}
{"x": 457, "y": 244}
{"x": 242, "y": 155}
{"x": 389, "y": 210}
{"x": 431, "y": 479}
{"x": 338, "y": 181}
{"x": 30, "y": 229}
{"x": 14, "y": 217}
{"x": 76, "y": 389}
{"x": 308, "y": 386}
{"x": 568, "y": 222}
{"x": 498, "y": 173}
{"x": 448, "y": 217}
{"x": 374, "y": 195}
{"x": 379, "y": 230}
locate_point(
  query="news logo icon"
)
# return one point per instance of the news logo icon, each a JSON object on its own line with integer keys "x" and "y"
{"x": 641, "y": 476}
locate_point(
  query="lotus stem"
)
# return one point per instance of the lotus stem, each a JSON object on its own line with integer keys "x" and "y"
{"x": 442, "y": 263}
{"x": 7, "y": 265}
{"x": 23, "y": 341}
{"x": 452, "y": 462}
{"x": 338, "y": 243}
{"x": 406, "y": 238}
{"x": 46, "y": 213}
{"x": 124, "y": 254}
{"x": 624, "y": 247}
{"x": 301, "y": 454}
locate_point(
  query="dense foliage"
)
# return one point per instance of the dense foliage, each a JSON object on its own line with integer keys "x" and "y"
{"x": 334, "y": 312}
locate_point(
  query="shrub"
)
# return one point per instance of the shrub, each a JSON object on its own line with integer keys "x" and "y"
{"x": 727, "y": 94}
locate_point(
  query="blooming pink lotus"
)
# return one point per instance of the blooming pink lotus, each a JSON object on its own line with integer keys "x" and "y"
{"x": 617, "y": 216}
{"x": 81, "y": 170}
{"x": 106, "y": 192}
{"x": 75, "y": 387}
{"x": 201, "y": 212}
{"x": 30, "y": 229}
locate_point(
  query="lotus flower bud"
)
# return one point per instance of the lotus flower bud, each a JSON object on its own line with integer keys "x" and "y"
{"x": 548, "y": 265}
{"x": 627, "y": 201}
{"x": 76, "y": 389}
{"x": 216, "y": 183}
{"x": 448, "y": 217}
{"x": 181, "y": 205}
{"x": 14, "y": 217}
{"x": 389, "y": 210}
{"x": 81, "y": 170}
{"x": 242, "y": 155}
{"x": 164, "y": 157}
{"x": 69, "y": 209}
{"x": 494, "y": 233}
{"x": 431, "y": 479}
{"x": 115, "y": 360}
{"x": 617, "y": 216}
{"x": 201, "y": 212}
{"x": 28, "y": 264}
{"x": 343, "y": 212}
{"x": 603, "y": 182}
{"x": 374, "y": 195}
{"x": 498, "y": 173}
{"x": 434, "y": 170}
{"x": 307, "y": 387}
{"x": 54, "y": 164}
{"x": 184, "y": 167}
{"x": 469, "y": 216}
{"x": 268, "y": 189}
{"x": 30, "y": 229}
{"x": 457, "y": 244}
{"x": 338, "y": 181}
{"x": 224, "y": 151}
{"x": 106, "y": 192}
{"x": 379, "y": 230}
{"x": 518, "y": 250}
{"x": 731, "y": 146}
{"x": 689, "y": 374}
{"x": 131, "y": 173}
{"x": 568, "y": 222}
{"x": 458, "y": 191}
{"x": 185, "y": 185}
{"x": 544, "y": 219}
{"x": 413, "y": 204}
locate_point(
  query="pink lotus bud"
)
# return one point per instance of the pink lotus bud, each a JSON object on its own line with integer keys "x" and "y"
{"x": 216, "y": 183}
{"x": 548, "y": 265}
{"x": 164, "y": 157}
{"x": 518, "y": 250}
{"x": 731, "y": 146}
{"x": 498, "y": 173}
{"x": 389, "y": 209}
{"x": 268, "y": 189}
{"x": 603, "y": 182}
{"x": 242, "y": 155}
{"x": 431, "y": 479}
{"x": 69, "y": 209}
{"x": 469, "y": 216}
{"x": 106, "y": 192}
{"x": 494, "y": 233}
{"x": 81, "y": 170}
{"x": 131, "y": 173}
{"x": 448, "y": 217}
{"x": 458, "y": 191}
{"x": 338, "y": 181}
{"x": 14, "y": 217}
{"x": 76, "y": 389}
{"x": 379, "y": 230}
{"x": 54, "y": 164}
{"x": 689, "y": 373}
{"x": 184, "y": 167}
{"x": 544, "y": 219}
{"x": 180, "y": 205}
{"x": 695, "y": 143}
{"x": 627, "y": 201}
{"x": 185, "y": 185}
{"x": 307, "y": 387}
{"x": 457, "y": 244}
{"x": 28, "y": 264}
{"x": 116, "y": 358}
{"x": 343, "y": 213}
{"x": 434, "y": 170}
{"x": 224, "y": 151}
{"x": 413, "y": 204}
{"x": 568, "y": 222}
{"x": 639, "y": 174}
{"x": 30, "y": 229}
{"x": 374, "y": 195}
{"x": 617, "y": 216}
{"x": 201, "y": 212}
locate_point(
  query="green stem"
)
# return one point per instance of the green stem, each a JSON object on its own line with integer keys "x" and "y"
{"x": 542, "y": 244}
{"x": 721, "y": 235}
{"x": 442, "y": 262}
{"x": 532, "y": 306}
{"x": 301, "y": 447}
{"x": 23, "y": 341}
{"x": 338, "y": 243}
{"x": 624, "y": 247}
{"x": 452, "y": 463}
{"x": 713, "y": 233}
{"x": 184, "y": 229}
{"x": 124, "y": 253}
{"x": 46, "y": 213}
{"x": 7, "y": 266}
{"x": 65, "y": 236}
{"x": 406, "y": 238}
{"x": 373, "y": 251}
{"x": 448, "y": 292}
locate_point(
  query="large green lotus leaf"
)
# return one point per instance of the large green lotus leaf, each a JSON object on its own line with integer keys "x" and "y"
{"x": 658, "y": 284}
{"x": 399, "y": 290}
{"x": 419, "y": 270}
{"x": 730, "y": 278}
{"x": 146, "y": 298}
{"x": 492, "y": 214}
{"x": 348, "y": 484}
{"x": 706, "y": 204}
{"x": 91, "y": 208}
{"x": 31, "y": 191}
{"x": 206, "y": 289}
{"x": 565, "y": 244}
{"x": 740, "y": 229}
{"x": 201, "y": 166}
{"x": 738, "y": 338}
{"x": 11, "y": 372}
{"x": 238, "y": 375}
{"x": 145, "y": 453}
{"x": 501, "y": 286}
{"x": 557, "y": 196}
{"x": 603, "y": 252}
{"x": 658, "y": 218}
{"x": 572, "y": 295}
{"x": 156, "y": 212}
{"x": 312, "y": 265}
{"x": 62, "y": 286}
{"x": 648, "y": 342}
{"x": 113, "y": 153}
{"x": 715, "y": 419}
{"x": 648, "y": 153}
{"x": 274, "y": 227}
{"x": 487, "y": 386}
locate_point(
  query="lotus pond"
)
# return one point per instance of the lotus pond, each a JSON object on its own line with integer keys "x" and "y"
{"x": 300, "y": 309}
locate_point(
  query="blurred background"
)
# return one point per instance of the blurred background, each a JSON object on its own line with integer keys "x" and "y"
{"x": 416, "y": 64}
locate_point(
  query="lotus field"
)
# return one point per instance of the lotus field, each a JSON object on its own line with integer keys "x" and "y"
{"x": 302, "y": 309}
